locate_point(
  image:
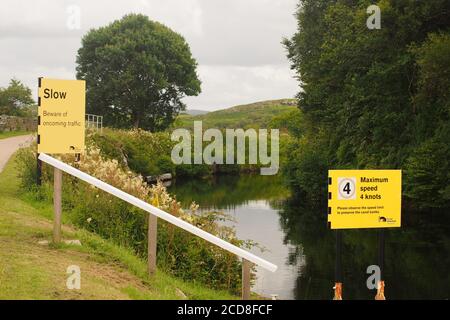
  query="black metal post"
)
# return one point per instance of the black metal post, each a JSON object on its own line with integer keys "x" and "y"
{"x": 338, "y": 265}
{"x": 381, "y": 245}
{"x": 38, "y": 171}
{"x": 38, "y": 162}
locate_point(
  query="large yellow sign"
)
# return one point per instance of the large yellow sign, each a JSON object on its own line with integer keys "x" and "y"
{"x": 364, "y": 198}
{"x": 61, "y": 116}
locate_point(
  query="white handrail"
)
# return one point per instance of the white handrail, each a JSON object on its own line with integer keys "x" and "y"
{"x": 157, "y": 212}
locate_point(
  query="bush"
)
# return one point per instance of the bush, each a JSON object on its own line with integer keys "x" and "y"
{"x": 165, "y": 165}
{"x": 143, "y": 152}
{"x": 179, "y": 252}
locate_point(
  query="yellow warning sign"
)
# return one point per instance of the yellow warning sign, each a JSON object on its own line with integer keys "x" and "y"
{"x": 61, "y": 116}
{"x": 364, "y": 198}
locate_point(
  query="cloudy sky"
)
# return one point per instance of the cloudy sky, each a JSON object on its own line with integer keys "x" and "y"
{"x": 236, "y": 42}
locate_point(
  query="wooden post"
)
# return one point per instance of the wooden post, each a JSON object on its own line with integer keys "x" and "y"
{"x": 246, "y": 275}
{"x": 57, "y": 188}
{"x": 152, "y": 241}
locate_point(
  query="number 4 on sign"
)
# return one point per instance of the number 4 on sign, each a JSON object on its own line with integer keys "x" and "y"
{"x": 347, "y": 188}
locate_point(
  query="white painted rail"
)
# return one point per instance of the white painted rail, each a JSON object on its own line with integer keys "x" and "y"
{"x": 157, "y": 212}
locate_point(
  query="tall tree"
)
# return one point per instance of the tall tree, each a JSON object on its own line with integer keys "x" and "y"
{"x": 372, "y": 97}
{"x": 137, "y": 71}
{"x": 14, "y": 98}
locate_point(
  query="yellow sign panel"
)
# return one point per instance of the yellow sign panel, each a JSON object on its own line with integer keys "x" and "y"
{"x": 61, "y": 116}
{"x": 364, "y": 198}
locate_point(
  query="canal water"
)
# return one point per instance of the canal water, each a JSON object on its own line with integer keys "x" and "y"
{"x": 295, "y": 237}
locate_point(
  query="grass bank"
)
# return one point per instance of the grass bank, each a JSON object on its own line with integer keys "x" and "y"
{"x": 9, "y": 134}
{"x": 29, "y": 270}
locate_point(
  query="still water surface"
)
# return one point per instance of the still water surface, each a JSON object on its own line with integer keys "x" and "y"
{"x": 296, "y": 238}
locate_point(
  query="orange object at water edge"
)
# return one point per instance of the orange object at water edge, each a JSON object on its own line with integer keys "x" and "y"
{"x": 380, "y": 291}
{"x": 337, "y": 291}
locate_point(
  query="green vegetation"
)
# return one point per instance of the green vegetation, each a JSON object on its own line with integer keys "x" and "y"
{"x": 367, "y": 103}
{"x": 29, "y": 270}
{"x": 9, "y": 134}
{"x": 143, "y": 152}
{"x": 17, "y": 110}
{"x": 136, "y": 71}
{"x": 16, "y": 100}
{"x": 150, "y": 153}
{"x": 255, "y": 115}
{"x": 179, "y": 253}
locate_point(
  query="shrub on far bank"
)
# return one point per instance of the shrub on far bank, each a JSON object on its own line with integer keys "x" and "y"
{"x": 142, "y": 151}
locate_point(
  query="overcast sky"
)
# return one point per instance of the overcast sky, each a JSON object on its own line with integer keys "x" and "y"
{"x": 236, "y": 42}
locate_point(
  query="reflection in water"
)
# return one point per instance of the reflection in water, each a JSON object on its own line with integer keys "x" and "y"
{"x": 253, "y": 201}
{"x": 298, "y": 241}
{"x": 417, "y": 255}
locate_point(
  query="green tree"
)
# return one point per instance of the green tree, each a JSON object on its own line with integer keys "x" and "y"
{"x": 376, "y": 95}
{"x": 427, "y": 169}
{"x": 137, "y": 71}
{"x": 15, "y": 98}
{"x": 291, "y": 121}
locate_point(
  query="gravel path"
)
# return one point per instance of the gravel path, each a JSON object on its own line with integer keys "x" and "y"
{"x": 10, "y": 145}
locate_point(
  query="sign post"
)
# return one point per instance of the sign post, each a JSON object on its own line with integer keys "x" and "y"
{"x": 57, "y": 195}
{"x": 363, "y": 199}
{"x": 38, "y": 170}
{"x": 61, "y": 129}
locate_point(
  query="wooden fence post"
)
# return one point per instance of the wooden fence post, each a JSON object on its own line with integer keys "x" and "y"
{"x": 57, "y": 189}
{"x": 246, "y": 275}
{"x": 152, "y": 241}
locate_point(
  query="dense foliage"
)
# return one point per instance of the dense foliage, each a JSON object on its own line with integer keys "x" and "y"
{"x": 149, "y": 153}
{"x": 136, "y": 71}
{"x": 373, "y": 98}
{"x": 16, "y": 100}
{"x": 143, "y": 152}
{"x": 178, "y": 252}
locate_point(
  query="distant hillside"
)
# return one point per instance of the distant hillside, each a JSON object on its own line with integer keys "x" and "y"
{"x": 254, "y": 115}
{"x": 195, "y": 112}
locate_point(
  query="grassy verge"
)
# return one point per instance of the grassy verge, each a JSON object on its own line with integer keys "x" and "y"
{"x": 29, "y": 270}
{"x": 9, "y": 134}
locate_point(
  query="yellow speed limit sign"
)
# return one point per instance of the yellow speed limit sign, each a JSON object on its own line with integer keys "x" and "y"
{"x": 364, "y": 198}
{"x": 61, "y": 116}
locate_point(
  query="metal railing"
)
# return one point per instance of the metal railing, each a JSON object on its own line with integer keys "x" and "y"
{"x": 94, "y": 121}
{"x": 248, "y": 259}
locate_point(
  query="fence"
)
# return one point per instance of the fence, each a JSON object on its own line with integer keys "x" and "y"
{"x": 248, "y": 259}
{"x": 94, "y": 122}
{"x": 12, "y": 123}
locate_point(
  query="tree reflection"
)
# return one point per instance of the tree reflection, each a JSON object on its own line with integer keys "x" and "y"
{"x": 417, "y": 255}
